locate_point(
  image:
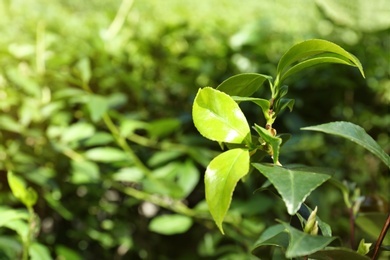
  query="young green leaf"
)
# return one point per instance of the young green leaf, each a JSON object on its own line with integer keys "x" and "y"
{"x": 218, "y": 117}
{"x": 28, "y": 196}
{"x": 221, "y": 177}
{"x": 355, "y": 134}
{"x": 262, "y": 103}
{"x": 313, "y": 52}
{"x": 273, "y": 141}
{"x": 293, "y": 185}
{"x": 243, "y": 84}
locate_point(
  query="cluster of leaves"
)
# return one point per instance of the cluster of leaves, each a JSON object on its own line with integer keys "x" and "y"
{"x": 218, "y": 117}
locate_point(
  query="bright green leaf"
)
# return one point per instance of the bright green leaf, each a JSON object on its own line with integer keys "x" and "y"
{"x": 106, "y": 154}
{"x": 243, "y": 85}
{"x": 355, "y": 134}
{"x": 221, "y": 178}
{"x": 293, "y": 185}
{"x": 129, "y": 174}
{"x": 28, "y": 196}
{"x": 302, "y": 244}
{"x": 218, "y": 117}
{"x": 170, "y": 224}
{"x": 66, "y": 253}
{"x": 315, "y": 52}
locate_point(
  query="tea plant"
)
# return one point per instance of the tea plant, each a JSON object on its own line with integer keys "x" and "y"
{"x": 218, "y": 117}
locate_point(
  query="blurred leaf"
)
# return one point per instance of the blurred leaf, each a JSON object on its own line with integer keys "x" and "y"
{"x": 98, "y": 139}
{"x": 19, "y": 226}
{"x": 58, "y": 207}
{"x": 293, "y": 185}
{"x": 170, "y": 224}
{"x": 66, "y": 253}
{"x": 39, "y": 252}
{"x": 77, "y": 132}
{"x": 129, "y": 174}
{"x": 188, "y": 177}
{"x": 315, "y": 52}
{"x": 84, "y": 68}
{"x": 355, "y": 134}
{"x": 84, "y": 172}
{"x": 162, "y": 157}
{"x": 97, "y": 106}
{"x": 28, "y": 196}
{"x": 8, "y": 214}
{"x": 106, "y": 154}
{"x": 163, "y": 127}
{"x": 243, "y": 85}
{"x": 218, "y": 117}
{"x": 372, "y": 223}
{"x": 302, "y": 244}
{"x": 337, "y": 253}
{"x": 9, "y": 124}
{"x": 10, "y": 247}
{"x": 221, "y": 178}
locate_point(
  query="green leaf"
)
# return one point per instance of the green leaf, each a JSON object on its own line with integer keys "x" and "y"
{"x": 84, "y": 172}
{"x": 337, "y": 253}
{"x": 273, "y": 236}
{"x": 106, "y": 154}
{"x": 293, "y": 185}
{"x": 97, "y": 106}
{"x": 222, "y": 175}
{"x": 273, "y": 141}
{"x": 28, "y": 196}
{"x": 77, "y": 132}
{"x": 39, "y": 252}
{"x": 170, "y": 224}
{"x": 7, "y": 214}
{"x": 218, "y": 117}
{"x": 315, "y": 52}
{"x": 262, "y": 103}
{"x": 363, "y": 247}
{"x": 302, "y": 244}
{"x": 355, "y": 134}
{"x": 243, "y": 84}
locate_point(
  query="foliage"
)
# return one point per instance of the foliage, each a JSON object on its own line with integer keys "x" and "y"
{"x": 218, "y": 118}
{"x": 95, "y": 119}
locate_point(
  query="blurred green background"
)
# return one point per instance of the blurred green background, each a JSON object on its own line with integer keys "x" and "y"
{"x": 65, "y": 64}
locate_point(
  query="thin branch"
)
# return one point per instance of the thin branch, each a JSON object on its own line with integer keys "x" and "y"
{"x": 381, "y": 237}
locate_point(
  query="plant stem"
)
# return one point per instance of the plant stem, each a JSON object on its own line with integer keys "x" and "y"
{"x": 27, "y": 240}
{"x": 352, "y": 227}
{"x": 381, "y": 237}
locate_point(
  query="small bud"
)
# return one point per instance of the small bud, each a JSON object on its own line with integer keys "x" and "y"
{"x": 311, "y": 222}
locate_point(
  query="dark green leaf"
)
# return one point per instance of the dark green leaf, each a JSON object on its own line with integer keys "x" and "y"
{"x": 273, "y": 236}
{"x": 243, "y": 85}
{"x": 338, "y": 253}
{"x": 355, "y": 134}
{"x": 302, "y": 244}
{"x": 221, "y": 178}
{"x": 293, "y": 185}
